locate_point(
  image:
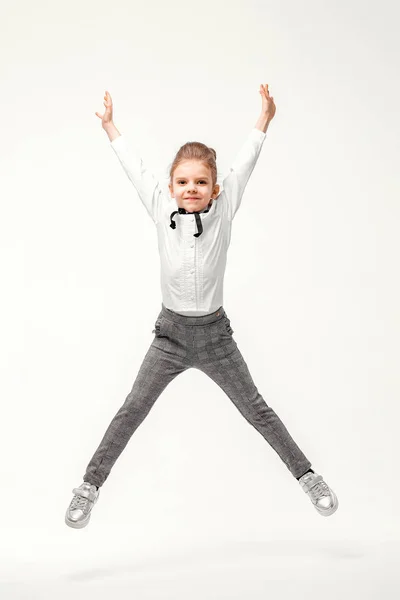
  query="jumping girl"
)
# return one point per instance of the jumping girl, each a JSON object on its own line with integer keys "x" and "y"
{"x": 192, "y": 329}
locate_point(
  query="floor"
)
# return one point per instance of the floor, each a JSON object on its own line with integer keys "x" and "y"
{"x": 234, "y": 570}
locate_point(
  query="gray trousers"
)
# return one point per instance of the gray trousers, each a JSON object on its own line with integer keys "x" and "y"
{"x": 205, "y": 343}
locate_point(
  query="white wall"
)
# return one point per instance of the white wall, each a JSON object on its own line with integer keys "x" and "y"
{"x": 311, "y": 286}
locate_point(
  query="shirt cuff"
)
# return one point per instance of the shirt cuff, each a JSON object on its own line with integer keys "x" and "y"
{"x": 119, "y": 141}
{"x": 257, "y": 134}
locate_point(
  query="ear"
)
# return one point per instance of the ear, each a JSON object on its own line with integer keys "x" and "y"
{"x": 216, "y": 190}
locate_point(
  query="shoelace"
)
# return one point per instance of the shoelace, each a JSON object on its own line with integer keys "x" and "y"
{"x": 319, "y": 490}
{"x": 79, "y": 502}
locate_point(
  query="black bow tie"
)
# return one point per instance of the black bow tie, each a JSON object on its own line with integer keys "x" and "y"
{"x": 183, "y": 211}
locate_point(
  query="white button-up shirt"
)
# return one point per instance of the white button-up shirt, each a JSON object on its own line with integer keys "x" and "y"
{"x": 192, "y": 268}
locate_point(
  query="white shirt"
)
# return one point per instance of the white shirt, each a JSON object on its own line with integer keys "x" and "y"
{"x": 192, "y": 268}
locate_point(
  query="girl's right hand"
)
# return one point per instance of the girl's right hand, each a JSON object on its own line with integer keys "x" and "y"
{"x": 107, "y": 118}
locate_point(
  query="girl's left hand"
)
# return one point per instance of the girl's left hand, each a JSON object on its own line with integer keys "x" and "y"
{"x": 268, "y": 105}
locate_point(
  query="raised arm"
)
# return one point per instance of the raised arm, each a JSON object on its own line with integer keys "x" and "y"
{"x": 242, "y": 167}
{"x": 146, "y": 185}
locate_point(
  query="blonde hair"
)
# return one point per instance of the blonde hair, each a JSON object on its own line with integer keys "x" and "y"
{"x": 196, "y": 151}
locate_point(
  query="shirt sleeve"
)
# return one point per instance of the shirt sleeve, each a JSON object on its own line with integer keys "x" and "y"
{"x": 148, "y": 188}
{"x": 242, "y": 167}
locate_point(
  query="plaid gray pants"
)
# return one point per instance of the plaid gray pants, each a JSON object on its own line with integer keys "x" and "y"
{"x": 205, "y": 343}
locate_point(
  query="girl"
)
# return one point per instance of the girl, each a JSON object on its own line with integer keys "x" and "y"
{"x": 192, "y": 329}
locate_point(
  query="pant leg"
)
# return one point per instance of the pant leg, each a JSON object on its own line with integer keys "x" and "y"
{"x": 229, "y": 370}
{"x": 158, "y": 369}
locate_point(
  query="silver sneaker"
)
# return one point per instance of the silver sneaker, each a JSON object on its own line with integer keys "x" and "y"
{"x": 78, "y": 512}
{"x": 323, "y": 498}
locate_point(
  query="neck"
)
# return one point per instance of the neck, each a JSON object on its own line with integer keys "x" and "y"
{"x": 208, "y": 206}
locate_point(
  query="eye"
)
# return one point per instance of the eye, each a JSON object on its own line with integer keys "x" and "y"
{"x": 200, "y": 181}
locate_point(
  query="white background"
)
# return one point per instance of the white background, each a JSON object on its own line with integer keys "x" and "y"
{"x": 199, "y": 505}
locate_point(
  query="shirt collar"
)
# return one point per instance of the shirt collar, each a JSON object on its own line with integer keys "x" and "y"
{"x": 196, "y": 213}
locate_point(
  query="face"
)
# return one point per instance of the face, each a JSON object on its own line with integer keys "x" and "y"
{"x": 192, "y": 179}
